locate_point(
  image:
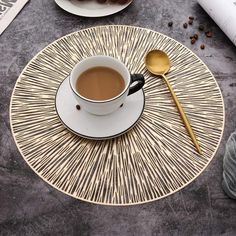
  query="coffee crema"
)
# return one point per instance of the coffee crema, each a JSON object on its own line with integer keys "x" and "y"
{"x": 100, "y": 83}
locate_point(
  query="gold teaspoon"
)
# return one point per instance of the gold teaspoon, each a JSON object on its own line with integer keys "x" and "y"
{"x": 158, "y": 63}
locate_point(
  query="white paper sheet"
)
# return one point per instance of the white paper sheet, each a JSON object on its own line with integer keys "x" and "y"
{"x": 223, "y": 12}
{"x": 8, "y": 11}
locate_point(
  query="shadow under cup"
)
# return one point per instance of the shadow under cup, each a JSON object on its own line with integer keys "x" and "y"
{"x": 104, "y": 107}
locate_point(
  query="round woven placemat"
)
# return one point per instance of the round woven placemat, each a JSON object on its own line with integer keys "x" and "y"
{"x": 156, "y": 158}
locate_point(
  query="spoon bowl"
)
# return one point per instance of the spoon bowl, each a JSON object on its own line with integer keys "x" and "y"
{"x": 157, "y": 62}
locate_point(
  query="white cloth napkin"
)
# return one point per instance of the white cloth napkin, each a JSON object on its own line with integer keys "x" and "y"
{"x": 223, "y": 12}
{"x": 8, "y": 11}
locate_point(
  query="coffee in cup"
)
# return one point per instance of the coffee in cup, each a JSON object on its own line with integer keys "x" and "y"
{"x": 100, "y": 83}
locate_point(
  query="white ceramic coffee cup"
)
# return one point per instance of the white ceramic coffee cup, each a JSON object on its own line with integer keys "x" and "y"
{"x": 105, "y": 107}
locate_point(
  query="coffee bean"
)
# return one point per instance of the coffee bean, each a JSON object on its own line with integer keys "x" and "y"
{"x": 202, "y": 46}
{"x": 208, "y": 34}
{"x": 193, "y": 40}
{"x": 195, "y": 36}
{"x": 185, "y": 25}
{"x": 191, "y": 18}
{"x": 122, "y": 105}
{"x": 201, "y": 27}
{"x": 190, "y": 22}
{"x": 78, "y": 107}
{"x": 170, "y": 24}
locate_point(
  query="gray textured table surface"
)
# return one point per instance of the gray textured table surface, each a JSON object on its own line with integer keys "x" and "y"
{"x": 29, "y": 206}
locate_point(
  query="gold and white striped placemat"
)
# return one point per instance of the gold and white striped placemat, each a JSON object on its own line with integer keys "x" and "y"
{"x": 153, "y": 160}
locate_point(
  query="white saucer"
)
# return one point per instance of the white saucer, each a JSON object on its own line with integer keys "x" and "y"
{"x": 95, "y": 127}
{"x": 90, "y": 8}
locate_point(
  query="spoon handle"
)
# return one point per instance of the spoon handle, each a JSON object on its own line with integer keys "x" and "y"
{"x": 183, "y": 116}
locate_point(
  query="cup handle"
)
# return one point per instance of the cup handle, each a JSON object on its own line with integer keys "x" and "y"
{"x": 139, "y": 78}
